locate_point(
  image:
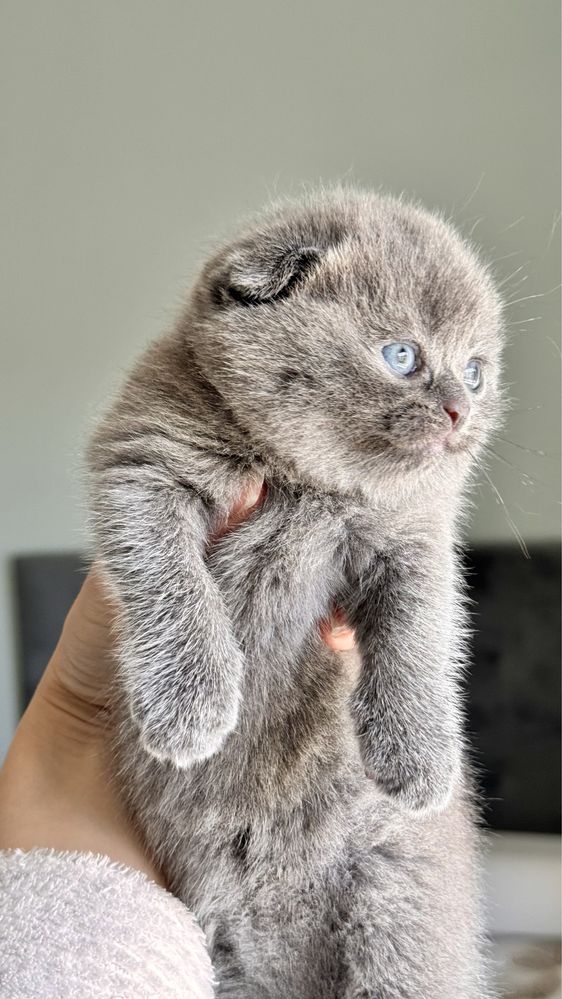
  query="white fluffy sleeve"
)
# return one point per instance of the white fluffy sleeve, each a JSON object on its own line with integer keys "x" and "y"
{"x": 79, "y": 925}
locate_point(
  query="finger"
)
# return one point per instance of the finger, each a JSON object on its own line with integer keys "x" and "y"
{"x": 90, "y": 618}
{"x": 252, "y": 497}
{"x": 84, "y": 661}
{"x": 336, "y": 633}
{"x": 249, "y": 499}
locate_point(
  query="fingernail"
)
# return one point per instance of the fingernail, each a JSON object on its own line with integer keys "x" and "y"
{"x": 253, "y": 494}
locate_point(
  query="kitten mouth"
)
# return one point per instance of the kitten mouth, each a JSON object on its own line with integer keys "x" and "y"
{"x": 433, "y": 447}
{"x": 442, "y": 444}
{"x": 418, "y": 453}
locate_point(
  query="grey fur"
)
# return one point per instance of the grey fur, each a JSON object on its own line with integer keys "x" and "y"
{"x": 320, "y": 827}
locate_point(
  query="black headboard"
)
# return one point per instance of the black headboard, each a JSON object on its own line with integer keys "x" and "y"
{"x": 513, "y": 688}
{"x": 45, "y": 586}
{"x": 514, "y": 684}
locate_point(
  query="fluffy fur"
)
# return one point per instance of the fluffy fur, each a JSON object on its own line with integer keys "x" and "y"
{"x": 316, "y": 820}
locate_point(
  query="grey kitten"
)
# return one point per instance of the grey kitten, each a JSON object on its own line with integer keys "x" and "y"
{"x": 345, "y": 347}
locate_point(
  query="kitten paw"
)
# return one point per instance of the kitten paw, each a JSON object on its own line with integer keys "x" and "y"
{"x": 185, "y": 744}
{"x": 187, "y": 717}
{"x": 420, "y": 783}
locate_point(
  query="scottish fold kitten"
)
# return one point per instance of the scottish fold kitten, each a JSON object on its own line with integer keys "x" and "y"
{"x": 345, "y": 347}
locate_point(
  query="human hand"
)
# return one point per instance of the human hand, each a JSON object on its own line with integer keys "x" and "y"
{"x": 55, "y": 789}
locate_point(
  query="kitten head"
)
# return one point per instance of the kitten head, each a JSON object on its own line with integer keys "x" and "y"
{"x": 356, "y": 338}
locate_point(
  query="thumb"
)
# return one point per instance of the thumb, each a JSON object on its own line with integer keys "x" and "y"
{"x": 252, "y": 496}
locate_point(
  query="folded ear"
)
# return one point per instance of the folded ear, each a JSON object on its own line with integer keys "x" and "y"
{"x": 271, "y": 275}
{"x": 271, "y": 261}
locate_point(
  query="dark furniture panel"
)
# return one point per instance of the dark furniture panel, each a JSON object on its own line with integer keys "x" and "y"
{"x": 514, "y": 685}
{"x": 45, "y": 586}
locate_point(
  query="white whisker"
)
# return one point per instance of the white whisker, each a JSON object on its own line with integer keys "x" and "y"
{"x": 539, "y": 294}
{"x": 508, "y": 516}
{"x": 472, "y": 230}
{"x": 529, "y": 450}
{"x": 512, "y": 225}
{"x": 506, "y": 256}
{"x": 555, "y": 224}
{"x": 555, "y": 345}
{"x": 473, "y": 195}
{"x": 520, "y": 322}
{"x": 510, "y": 276}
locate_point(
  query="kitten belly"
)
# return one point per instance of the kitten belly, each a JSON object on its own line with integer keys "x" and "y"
{"x": 332, "y": 898}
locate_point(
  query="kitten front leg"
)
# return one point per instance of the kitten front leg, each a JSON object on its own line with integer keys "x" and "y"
{"x": 180, "y": 664}
{"x": 406, "y": 704}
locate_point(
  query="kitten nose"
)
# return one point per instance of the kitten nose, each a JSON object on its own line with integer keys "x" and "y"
{"x": 457, "y": 409}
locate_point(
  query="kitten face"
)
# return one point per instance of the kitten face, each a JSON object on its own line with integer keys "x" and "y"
{"x": 356, "y": 339}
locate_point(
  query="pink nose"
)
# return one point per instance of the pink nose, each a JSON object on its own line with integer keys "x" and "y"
{"x": 457, "y": 410}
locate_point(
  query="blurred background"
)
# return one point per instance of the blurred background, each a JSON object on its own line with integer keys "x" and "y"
{"x": 135, "y": 134}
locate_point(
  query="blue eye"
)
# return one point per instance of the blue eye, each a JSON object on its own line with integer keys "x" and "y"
{"x": 400, "y": 357}
{"x": 473, "y": 374}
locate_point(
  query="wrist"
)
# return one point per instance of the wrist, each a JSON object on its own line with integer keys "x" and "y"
{"x": 56, "y": 789}
{"x": 47, "y": 789}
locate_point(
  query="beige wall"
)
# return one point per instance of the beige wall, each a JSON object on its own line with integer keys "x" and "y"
{"x": 137, "y": 129}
